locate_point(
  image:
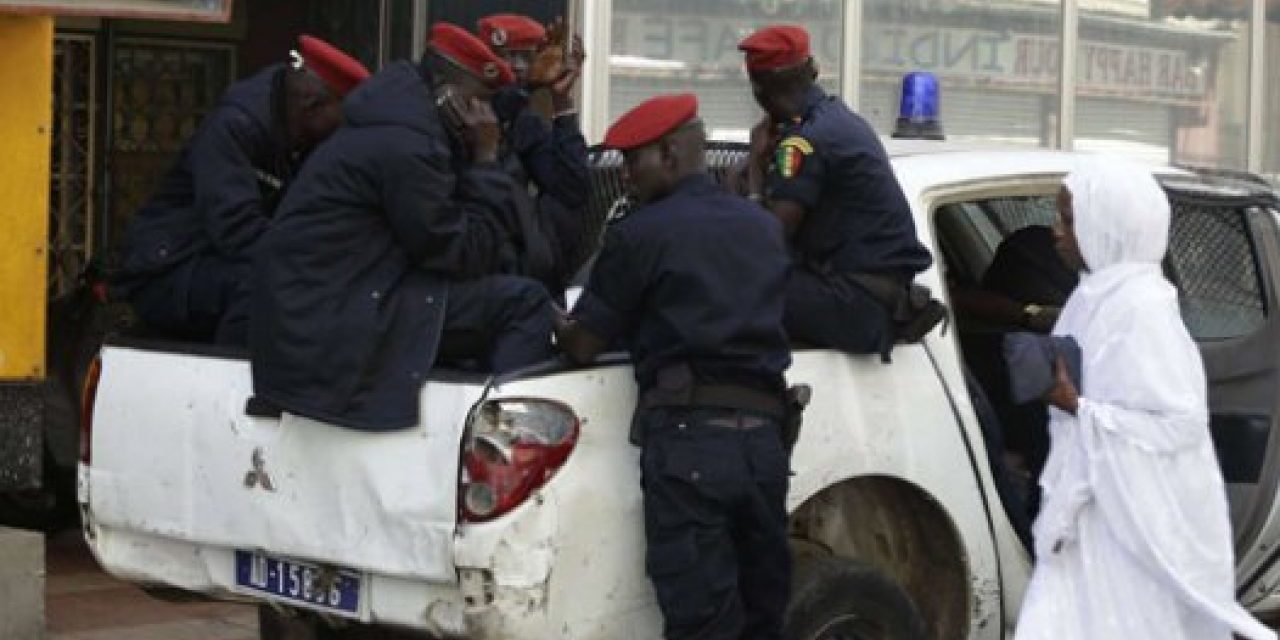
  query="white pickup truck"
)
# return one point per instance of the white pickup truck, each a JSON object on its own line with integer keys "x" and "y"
{"x": 513, "y": 511}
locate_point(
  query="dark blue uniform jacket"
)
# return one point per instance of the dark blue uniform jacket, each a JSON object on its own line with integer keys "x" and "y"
{"x": 550, "y": 161}
{"x": 858, "y": 220}
{"x": 351, "y": 286}
{"x": 697, "y": 279}
{"x": 221, "y": 191}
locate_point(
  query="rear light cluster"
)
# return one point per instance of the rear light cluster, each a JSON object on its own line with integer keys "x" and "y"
{"x": 88, "y": 397}
{"x": 512, "y": 448}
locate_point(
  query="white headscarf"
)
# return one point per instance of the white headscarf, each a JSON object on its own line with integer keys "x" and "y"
{"x": 1122, "y": 215}
{"x": 1136, "y": 460}
{"x": 1125, "y": 314}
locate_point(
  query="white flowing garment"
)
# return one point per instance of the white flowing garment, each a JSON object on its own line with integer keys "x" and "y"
{"x": 1133, "y": 541}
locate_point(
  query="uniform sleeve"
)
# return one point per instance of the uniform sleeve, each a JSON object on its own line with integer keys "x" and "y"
{"x": 226, "y": 182}
{"x": 614, "y": 291}
{"x": 556, "y": 159}
{"x": 449, "y": 224}
{"x": 796, "y": 172}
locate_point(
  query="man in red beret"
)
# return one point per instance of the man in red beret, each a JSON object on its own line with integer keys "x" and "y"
{"x": 187, "y": 250}
{"x": 380, "y": 260}
{"x": 703, "y": 321}
{"x": 821, "y": 169}
{"x": 544, "y": 149}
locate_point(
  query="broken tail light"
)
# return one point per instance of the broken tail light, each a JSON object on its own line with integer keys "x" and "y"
{"x": 88, "y": 397}
{"x": 512, "y": 447}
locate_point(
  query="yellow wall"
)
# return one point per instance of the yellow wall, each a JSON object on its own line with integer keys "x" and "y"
{"x": 26, "y": 78}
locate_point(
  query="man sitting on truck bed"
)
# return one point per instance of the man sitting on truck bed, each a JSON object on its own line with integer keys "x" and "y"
{"x": 188, "y": 250}
{"x": 820, "y": 168}
{"x": 703, "y": 321}
{"x": 380, "y": 260}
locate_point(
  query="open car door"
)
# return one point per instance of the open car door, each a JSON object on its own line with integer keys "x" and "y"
{"x": 1224, "y": 257}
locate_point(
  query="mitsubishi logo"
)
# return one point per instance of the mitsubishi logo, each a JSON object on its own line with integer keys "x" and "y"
{"x": 258, "y": 473}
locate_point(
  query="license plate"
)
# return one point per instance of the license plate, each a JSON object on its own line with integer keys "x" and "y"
{"x": 330, "y": 589}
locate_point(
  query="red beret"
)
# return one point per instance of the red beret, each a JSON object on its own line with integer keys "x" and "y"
{"x": 338, "y": 70}
{"x": 776, "y": 47}
{"x": 511, "y": 31}
{"x": 650, "y": 120}
{"x": 454, "y": 43}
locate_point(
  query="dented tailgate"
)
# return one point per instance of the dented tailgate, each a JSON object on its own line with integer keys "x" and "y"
{"x": 175, "y": 457}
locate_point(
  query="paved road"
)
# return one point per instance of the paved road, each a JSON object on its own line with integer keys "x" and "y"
{"x": 84, "y": 603}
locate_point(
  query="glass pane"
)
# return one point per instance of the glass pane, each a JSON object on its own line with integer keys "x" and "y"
{"x": 1271, "y": 126}
{"x": 1163, "y": 84}
{"x": 997, "y": 60}
{"x": 670, "y": 46}
{"x": 466, "y": 14}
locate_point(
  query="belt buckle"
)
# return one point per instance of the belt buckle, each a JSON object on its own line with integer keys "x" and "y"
{"x": 738, "y": 421}
{"x": 725, "y": 423}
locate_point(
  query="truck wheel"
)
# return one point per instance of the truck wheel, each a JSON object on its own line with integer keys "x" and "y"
{"x": 297, "y": 625}
{"x": 840, "y": 599}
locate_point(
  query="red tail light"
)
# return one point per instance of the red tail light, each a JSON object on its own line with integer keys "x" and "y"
{"x": 511, "y": 449}
{"x": 88, "y": 396}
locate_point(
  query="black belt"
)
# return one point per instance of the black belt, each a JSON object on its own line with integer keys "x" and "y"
{"x": 887, "y": 290}
{"x": 717, "y": 396}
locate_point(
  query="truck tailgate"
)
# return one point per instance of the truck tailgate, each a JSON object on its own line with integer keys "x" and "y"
{"x": 175, "y": 456}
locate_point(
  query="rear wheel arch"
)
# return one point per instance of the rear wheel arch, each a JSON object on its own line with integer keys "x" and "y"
{"x": 900, "y": 531}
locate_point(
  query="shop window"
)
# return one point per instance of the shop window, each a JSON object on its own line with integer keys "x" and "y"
{"x": 670, "y": 46}
{"x": 1162, "y": 85}
{"x": 997, "y": 62}
{"x": 1270, "y": 133}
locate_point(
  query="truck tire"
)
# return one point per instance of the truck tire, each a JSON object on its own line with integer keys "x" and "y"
{"x": 274, "y": 624}
{"x": 836, "y": 598}
{"x": 297, "y": 625}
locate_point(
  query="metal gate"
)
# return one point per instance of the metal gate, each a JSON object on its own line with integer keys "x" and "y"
{"x": 71, "y": 226}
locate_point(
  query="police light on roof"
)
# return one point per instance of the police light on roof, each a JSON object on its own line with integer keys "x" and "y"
{"x": 918, "y": 113}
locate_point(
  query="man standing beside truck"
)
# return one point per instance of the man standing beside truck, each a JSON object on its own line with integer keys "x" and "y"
{"x": 703, "y": 321}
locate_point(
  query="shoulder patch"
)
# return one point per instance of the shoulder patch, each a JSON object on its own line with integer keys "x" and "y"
{"x": 790, "y": 155}
{"x": 803, "y": 145}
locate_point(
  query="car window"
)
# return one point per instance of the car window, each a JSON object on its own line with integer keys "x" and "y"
{"x": 1211, "y": 257}
{"x": 970, "y": 232}
{"x": 1213, "y": 263}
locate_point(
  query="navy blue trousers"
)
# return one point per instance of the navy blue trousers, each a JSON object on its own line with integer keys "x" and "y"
{"x": 716, "y": 523}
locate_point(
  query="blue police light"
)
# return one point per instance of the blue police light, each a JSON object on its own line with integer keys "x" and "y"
{"x": 918, "y": 113}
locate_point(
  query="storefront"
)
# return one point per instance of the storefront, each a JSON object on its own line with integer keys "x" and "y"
{"x": 1163, "y": 80}
{"x": 1146, "y": 82}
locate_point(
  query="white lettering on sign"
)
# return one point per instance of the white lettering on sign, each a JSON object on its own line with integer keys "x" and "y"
{"x": 1111, "y": 67}
{"x": 705, "y": 41}
{"x": 984, "y": 56}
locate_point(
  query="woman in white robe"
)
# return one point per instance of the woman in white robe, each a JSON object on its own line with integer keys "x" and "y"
{"x": 1133, "y": 540}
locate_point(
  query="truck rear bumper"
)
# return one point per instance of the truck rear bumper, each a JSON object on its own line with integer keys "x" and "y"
{"x": 154, "y": 561}
{"x": 501, "y": 593}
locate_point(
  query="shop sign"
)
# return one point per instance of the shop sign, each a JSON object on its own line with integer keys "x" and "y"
{"x": 982, "y": 56}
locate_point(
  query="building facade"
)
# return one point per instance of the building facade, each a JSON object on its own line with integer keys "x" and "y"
{"x": 1155, "y": 79}
{"x": 1183, "y": 81}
